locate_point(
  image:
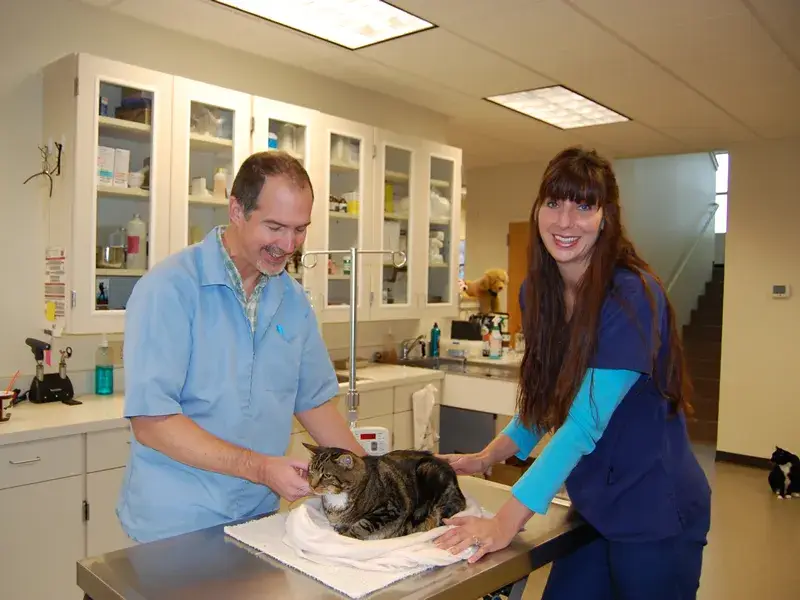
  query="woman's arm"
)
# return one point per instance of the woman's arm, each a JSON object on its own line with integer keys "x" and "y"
{"x": 598, "y": 397}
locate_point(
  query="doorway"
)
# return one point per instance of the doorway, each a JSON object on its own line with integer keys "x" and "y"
{"x": 518, "y": 237}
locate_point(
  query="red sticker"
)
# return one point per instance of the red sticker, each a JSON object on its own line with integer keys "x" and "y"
{"x": 47, "y": 357}
{"x": 133, "y": 244}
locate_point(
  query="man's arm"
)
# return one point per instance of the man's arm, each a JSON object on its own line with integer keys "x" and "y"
{"x": 329, "y": 428}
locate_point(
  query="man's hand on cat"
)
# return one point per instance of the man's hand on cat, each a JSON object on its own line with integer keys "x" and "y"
{"x": 489, "y": 535}
{"x": 287, "y": 477}
{"x": 465, "y": 464}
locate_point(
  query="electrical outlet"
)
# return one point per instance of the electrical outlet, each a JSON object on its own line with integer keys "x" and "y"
{"x": 116, "y": 351}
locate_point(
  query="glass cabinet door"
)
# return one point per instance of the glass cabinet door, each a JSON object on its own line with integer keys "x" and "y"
{"x": 124, "y": 209}
{"x": 349, "y": 194}
{"x": 398, "y": 191}
{"x": 444, "y": 206}
{"x": 211, "y": 139}
{"x": 120, "y": 223}
{"x": 280, "y": 127}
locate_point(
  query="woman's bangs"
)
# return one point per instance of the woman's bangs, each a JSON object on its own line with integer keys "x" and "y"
{"x": 580, "y": 187}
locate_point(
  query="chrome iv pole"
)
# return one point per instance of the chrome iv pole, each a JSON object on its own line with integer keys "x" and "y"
{"x": 353, "y": 399}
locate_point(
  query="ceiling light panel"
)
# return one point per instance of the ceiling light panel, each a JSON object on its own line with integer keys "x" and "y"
{"x": 352, "y": 24}
{"x": 559, "y": 107}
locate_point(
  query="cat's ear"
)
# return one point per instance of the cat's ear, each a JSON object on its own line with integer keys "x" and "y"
{"x": 312, "y": 448}
{"x": 345, "y": 461}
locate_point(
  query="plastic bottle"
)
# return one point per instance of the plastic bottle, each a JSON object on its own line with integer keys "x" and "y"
{"x": 103, "y": 370}
{"x": 435, "y": 335}
{"x": 137, "y": 243}
{"x": 495, "y": 340}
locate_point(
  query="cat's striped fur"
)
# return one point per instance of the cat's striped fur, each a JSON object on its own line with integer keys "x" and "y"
{"x": 381, "y": 497}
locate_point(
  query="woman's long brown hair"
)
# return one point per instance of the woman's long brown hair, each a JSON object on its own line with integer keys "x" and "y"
{"x": 558, "y": 350}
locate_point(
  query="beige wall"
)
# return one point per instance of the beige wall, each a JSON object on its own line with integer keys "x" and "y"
{"x": 664, "y": 201}
{"x": 496, "y": 196}
{"x": 759, "y": 401}
{"x": 35, "y": 33}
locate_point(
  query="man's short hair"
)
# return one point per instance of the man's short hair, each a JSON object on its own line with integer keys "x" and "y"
{"x": 257, "y": 167}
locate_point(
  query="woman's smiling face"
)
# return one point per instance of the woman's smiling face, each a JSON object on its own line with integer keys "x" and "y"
{"x": 569, "y": 230}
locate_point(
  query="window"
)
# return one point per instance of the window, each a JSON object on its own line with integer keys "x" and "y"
{"x": 721, "y": 217}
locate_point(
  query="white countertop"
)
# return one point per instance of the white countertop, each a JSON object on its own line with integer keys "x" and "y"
{"x": 97, "y": 413}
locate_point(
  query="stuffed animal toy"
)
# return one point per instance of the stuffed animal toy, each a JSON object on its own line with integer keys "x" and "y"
{"x": 487, "y": 289}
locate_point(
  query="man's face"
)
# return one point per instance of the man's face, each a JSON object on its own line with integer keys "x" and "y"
{"x": 277, "y": 227}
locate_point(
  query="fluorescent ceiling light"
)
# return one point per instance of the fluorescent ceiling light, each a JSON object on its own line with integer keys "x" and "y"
{"x": 353, "y": 24}
{"x": 559, "y": 107}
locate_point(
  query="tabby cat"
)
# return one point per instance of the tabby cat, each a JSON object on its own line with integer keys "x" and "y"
{"x": 387, "y": 496}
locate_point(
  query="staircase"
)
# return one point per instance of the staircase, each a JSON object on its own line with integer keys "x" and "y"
{"x": 702, "y": 341}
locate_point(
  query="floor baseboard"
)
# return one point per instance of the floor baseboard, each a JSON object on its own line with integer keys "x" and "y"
{"x": 743, "y": 460}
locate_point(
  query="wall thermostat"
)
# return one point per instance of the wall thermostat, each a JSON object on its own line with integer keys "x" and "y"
{"x": 780, "y": 291}
{"x": 375, "y": 440}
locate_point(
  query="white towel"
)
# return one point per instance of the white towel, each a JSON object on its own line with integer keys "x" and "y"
{"x": 423, "y": 403}
{"x": 305, "y": 540}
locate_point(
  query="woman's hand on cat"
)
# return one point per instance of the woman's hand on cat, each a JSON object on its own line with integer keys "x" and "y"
{"x": 466, "y": 464}
{"x": 490, "y": 535}
{"x": 287, "y": 477}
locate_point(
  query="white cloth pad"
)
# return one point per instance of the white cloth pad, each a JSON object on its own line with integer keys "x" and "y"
{"x": 304, "y": 540}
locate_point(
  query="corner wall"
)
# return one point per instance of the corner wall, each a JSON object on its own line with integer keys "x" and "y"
{"x": 759, "y": 400}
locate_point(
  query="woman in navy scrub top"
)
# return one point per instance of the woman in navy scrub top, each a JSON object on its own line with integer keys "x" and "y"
{"x": 604, "y": 370}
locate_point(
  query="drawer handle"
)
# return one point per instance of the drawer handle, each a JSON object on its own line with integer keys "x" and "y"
{"x": 25, "y": 462}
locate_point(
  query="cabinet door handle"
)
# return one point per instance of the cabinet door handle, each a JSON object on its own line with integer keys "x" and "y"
{"x": 25, "y": 462}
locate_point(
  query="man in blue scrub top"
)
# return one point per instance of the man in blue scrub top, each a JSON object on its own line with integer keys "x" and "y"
{"x": 222, "y": 349}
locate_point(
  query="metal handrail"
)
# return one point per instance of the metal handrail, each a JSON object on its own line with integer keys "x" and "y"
{"x": 677, "y": 273}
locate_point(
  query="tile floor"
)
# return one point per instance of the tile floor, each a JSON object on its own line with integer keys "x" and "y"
{"x": 754, "y": 545}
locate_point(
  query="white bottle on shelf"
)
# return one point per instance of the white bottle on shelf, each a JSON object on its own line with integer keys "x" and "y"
{"x": 137, "y": 244}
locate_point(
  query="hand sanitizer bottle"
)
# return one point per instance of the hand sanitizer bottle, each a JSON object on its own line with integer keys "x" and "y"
{"x": 103, "y": 370}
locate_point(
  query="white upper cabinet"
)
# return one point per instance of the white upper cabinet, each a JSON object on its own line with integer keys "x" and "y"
{"x": 110, "y": 208}
{"x": 148, "y": 165}
{"x": 443, "y": 207}
{"x": 210, "y": 140}
{"x": 399, "y": 217}
{"x": 345, "y": 209}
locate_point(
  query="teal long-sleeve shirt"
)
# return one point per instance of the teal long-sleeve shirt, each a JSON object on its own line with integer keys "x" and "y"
{"x": 600, "y": 394}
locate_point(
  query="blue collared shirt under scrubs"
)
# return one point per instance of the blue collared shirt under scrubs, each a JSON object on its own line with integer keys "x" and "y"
{"x": 190, "y": 348}
{"x": 628, "y": 466}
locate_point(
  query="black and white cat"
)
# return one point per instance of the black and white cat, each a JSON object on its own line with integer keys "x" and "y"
{"x": 784, "y": 478}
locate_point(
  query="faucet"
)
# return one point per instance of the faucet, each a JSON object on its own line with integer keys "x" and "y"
{"x": 408, "y": 345}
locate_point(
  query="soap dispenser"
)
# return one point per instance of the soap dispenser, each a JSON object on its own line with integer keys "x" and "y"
{"x": 103, "y": 370}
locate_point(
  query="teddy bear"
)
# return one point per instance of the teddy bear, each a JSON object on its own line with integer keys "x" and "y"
{"x": 487, "y": 289}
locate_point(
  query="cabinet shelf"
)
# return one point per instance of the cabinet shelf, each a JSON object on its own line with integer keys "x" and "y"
{"x": 125, "y": 192}
{"x": 100, "y": 272}
{"x": 121, "y": 128}
{"x": 340, "y": 215}
{"x": 209, "y": 143}
{"x": 440, "y": 221}
{"x": 395, "y": 177}
{"x": 439, "y": 183}
{"x": 344, "y": 167}
{"x": 208, "y": 201}
{"x": 395, "y": 217}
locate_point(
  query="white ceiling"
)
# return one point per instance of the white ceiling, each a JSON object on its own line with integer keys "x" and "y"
{"x": 693, "y": 75}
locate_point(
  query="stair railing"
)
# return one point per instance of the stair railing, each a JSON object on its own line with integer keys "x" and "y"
{"x": 713, "y": 207}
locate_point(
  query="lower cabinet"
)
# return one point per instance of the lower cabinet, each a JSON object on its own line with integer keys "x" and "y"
{"x": 41, "y": 536}
{"x": 103, "y": 531}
